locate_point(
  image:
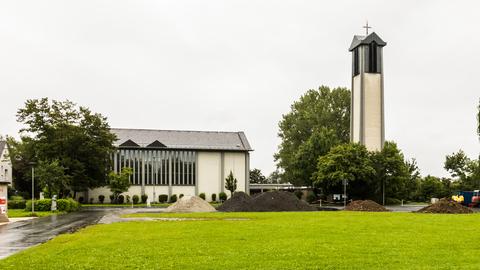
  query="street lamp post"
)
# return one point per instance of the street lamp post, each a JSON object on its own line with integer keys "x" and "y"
{"x": 33, "y": 186}
{"x": 345, "y": 183}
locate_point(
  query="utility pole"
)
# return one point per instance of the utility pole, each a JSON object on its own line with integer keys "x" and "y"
{"x": 345, "y": 183}
{"x": 33, "y": 186}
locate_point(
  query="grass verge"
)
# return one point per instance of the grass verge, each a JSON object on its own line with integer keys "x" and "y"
{"x": 15, "y": 213}
{"x": 308, "y": 240}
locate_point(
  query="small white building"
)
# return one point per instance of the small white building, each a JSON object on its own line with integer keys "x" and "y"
{"x": 179, "y": 162}
{"x": 5, "y": 164}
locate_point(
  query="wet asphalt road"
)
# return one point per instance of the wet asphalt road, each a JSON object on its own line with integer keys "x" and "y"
{"x": 23, "y": 234}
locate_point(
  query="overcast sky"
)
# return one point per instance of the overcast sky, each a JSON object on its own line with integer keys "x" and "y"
{"x": 238, "y": 65}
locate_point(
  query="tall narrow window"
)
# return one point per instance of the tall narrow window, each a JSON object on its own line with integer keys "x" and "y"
{"x": 356, "y": 64}
{"x": 372, "y": 58}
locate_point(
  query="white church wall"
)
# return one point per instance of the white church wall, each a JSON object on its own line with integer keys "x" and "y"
{"x": 209, "y": 173}
{"x": 373, "y": 111}
{"x": 235, "y": 162}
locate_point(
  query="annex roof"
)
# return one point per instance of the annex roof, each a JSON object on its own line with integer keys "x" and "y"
{"x": 182, "y": 139}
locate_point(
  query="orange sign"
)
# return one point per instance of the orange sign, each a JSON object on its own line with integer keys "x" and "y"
{"x": 3, "y": 200}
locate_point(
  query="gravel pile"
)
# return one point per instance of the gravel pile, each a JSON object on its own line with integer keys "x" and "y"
{"x": 366, "y": 206}
{"x": 239, "y": 202}
{"x": 272, "y": 201}
{"x": 190, "y": 204}
{"x": 446, "y": 206}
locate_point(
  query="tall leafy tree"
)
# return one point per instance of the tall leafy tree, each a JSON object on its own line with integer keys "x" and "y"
{"x": 119, "y": 182}
{"x": 257, "y": 177}
{"x": 350, "y": 162}
{"x": 464, "y": 169}
{"x": 51, "y": 176}
{"x": 319, "y": 120}
{"x": 61, "y": 131}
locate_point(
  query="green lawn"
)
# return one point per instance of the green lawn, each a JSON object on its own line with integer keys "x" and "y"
{"x": 126, "y": 205}
{"x": 310, "y": 240}
{"x": 14, "y": 213}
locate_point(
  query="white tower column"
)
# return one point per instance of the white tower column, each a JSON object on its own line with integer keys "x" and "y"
{"x": 367, "y": 109}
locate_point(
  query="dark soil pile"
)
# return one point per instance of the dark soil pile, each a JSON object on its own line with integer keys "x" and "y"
{"x": 239, "y": 202}
{"x": 272, "y": 201}
{"x": 276, "y": 201}
{"x": 446, "y": 206}
{"x": 366, "y": 205}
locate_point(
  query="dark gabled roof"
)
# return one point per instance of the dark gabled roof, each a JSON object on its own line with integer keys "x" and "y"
{"x": 3, "y": 145}
{"x": 365, "y": 40}
{"x": 129, "y": 143}
{"x": 181, "y": 139}
{"x": 157, "y": 144}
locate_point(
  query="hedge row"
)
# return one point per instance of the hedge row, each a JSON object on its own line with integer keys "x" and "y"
{"x": 66, "y": 205}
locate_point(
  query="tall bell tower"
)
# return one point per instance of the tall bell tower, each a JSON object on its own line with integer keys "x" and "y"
{"x": 367, "y": 114}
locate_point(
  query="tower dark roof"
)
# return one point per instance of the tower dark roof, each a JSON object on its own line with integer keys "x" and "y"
{"x": 365, "y": 40}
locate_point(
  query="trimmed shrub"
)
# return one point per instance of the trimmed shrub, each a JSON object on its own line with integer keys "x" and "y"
{"x": 80, "y": 199}
{"x": 173, "y": 198}
{"x": 40, "y": 205}
{"x": 311, "y": 197}
{"x": 111, "y": 198}
{"x": 214, "y": 197}
{"x": 16, "y": 198}
{"x": 91, "y": 200}
{"x": 299, "y": 194}
{"x": 101, "y": 198}
{"x": 67, "y": 205}
{"x": 180, "y": 196}
{"x": 202, "y": 195}
{"x": 135, "y": 199}
{"x": 121, "y": 199}
{"x": 144, "y": 198}
{"x": 222, "y": 196}
{"x": 163, "y": 198}
{"x": 127, "y": 197}
{"x": 17, "y": 204}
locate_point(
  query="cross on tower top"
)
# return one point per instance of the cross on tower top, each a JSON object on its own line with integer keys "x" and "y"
{"x": 367, "y": 27}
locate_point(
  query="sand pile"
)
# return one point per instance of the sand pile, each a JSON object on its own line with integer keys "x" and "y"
{"x": 239, "y": 202}
{"x": 190, "y": 204}
{"x": 446, "y": 206}
{"x": 272, "y": 201}
{"x": 366, "y": 205}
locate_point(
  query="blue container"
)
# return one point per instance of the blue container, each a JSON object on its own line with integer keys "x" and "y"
{"x": 467, "y": 196}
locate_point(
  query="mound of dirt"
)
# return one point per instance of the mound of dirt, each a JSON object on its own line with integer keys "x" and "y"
{"x": 276, "y": 201}
{"x": 366, "y": 206}
{"x": 446, "y": 206}
{"x": 190, "y": 204}
{"x": 239, "y": 202}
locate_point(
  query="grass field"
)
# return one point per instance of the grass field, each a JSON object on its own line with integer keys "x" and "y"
{"x": 14, "y": 213}
{"x": 311, "y": 240}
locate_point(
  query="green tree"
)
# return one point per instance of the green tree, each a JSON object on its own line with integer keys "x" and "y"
{"x": 412, "y": 184}
{"x": 256, "y": 177}
{"x": 78, "y": 139}
{"x": 432, "y": 187}
{"x": 231, "y": 183}
{"x": 51, "y": 176}
{"x": 349, "y": 162}
{"x": 463, "y": 168}
{"x": 119, "y": 182}
{"x": 391, "y": 173}
{"x": 276, "y": 177}
{"x": 319, "y": 120}
{"x": 478, "y": 121}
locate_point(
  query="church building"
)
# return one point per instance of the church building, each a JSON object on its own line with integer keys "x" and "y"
{"x": 179, "y": 162}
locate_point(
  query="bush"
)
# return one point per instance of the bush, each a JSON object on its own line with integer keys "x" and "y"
{"x": 16, "y": 198}
{"x": 80, "y": 199}
{"x": 299, "y": 194}
{"x": 101, "y": 198}
{"x": 144, "y": 198}
{"x": 40, "y": 205}
{"x": 214, "y": 197}
{"x": 121, "y": 199}
{"x": 180, "y": 196}
{"x": 222, "y": 196}
{"x": 202, "y": 195}
{"x": 67, "y": 205}
{"x": 311, "y": 197}
{"x": 173, "y": 198}
{"x": 135, "y": 199}
{"x": 17, "y": 204}
{"x": 111, "y": 198}
{"x": 127, "y": 197}
{"x": 163, "y": 198}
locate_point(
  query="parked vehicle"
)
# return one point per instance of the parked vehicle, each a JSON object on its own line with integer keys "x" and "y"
{"x": 470, "y": 198}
